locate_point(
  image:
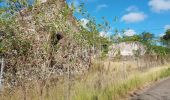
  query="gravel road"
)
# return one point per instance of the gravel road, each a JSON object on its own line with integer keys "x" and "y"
{"x": 160, "y": 91}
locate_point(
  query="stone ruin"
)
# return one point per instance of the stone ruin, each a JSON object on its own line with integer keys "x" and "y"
{"x": 126, "y": 49}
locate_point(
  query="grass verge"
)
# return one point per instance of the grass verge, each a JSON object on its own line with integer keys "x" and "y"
{"x": 119, "y": 90}
{"x": 95, "y": 85}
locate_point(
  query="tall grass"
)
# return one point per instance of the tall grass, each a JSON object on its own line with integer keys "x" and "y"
{"x": 100, "y": 83}
{"x": 120, "y": 88}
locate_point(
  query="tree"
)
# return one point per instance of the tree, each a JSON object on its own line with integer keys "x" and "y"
{"x": 131, "y": 38}
{"x": 147, "y": 36}
{"x": 166, "y": 39}
{"x": 12, "y": 7}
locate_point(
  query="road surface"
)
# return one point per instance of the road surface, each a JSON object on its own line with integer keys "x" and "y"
{"x": 160, "y": 91}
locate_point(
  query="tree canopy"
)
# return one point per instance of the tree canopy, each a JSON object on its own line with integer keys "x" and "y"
{"x": 166, "y": 38}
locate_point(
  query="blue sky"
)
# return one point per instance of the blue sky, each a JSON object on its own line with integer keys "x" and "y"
{"x": 134, "y": 15}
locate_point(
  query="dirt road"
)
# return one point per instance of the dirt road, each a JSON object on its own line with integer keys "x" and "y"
{"x": 160, "y": 91}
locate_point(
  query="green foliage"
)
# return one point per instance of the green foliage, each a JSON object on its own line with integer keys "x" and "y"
{"x": 147, "y": 39}
{"x": 91, "y": 33}
{"x": 12, "y": 7}
{"x": 165, "y": 40}
{"x": 147, "y": 36}
{"x": 159, "y": 50}
{"x": 10, "y": 41}
{"x": 13, "y": 43}
{"x": 131, "y": 38}
{"x": 167, "y": 32}
{"x": 165, "y": 73}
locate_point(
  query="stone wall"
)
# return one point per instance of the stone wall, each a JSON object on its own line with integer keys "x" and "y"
{"x": 126, "y": 49}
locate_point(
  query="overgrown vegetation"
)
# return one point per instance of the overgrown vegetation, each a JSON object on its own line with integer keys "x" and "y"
{"x": 49, "y": 55}
{"x": 120, "y": 88}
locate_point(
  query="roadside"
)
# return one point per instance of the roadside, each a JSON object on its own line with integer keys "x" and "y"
{"x": 119, "y": 89}
{"x": 159, "y": 91}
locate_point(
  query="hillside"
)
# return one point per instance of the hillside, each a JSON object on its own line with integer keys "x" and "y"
{"x": 45, "y": 36}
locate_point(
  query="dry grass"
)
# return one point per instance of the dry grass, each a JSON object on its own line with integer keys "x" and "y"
{"x": 105, "y": 81}
{"x": 111, "y": 88}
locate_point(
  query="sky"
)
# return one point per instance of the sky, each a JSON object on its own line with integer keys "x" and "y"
{"x": 134, "y": 16}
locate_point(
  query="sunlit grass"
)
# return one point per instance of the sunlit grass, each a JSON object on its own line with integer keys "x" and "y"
{"x": 97, "y": 84}
{"x": 119, "y": 89}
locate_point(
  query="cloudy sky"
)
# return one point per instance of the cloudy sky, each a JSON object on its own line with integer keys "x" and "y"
{"x": 135, "y": 16}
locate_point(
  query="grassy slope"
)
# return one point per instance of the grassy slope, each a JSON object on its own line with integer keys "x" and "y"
{"x": 119, "y": 89}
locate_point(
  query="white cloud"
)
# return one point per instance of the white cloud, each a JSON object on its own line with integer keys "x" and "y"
{"x": 84, "y": 22}
{"x": 43, "y": 1}
{"x": 162, "y": 34}
{"x": 130, "y": 32}
{"x": 134, "y": 17}
{"x": 132, "y": 8}
{"x": 101, "y": 6}
{"x": 75, "y": 3}
{"x": 159, "y": 5}
{"x": 166, "y": 27}
{"x": 105, "y": 34}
